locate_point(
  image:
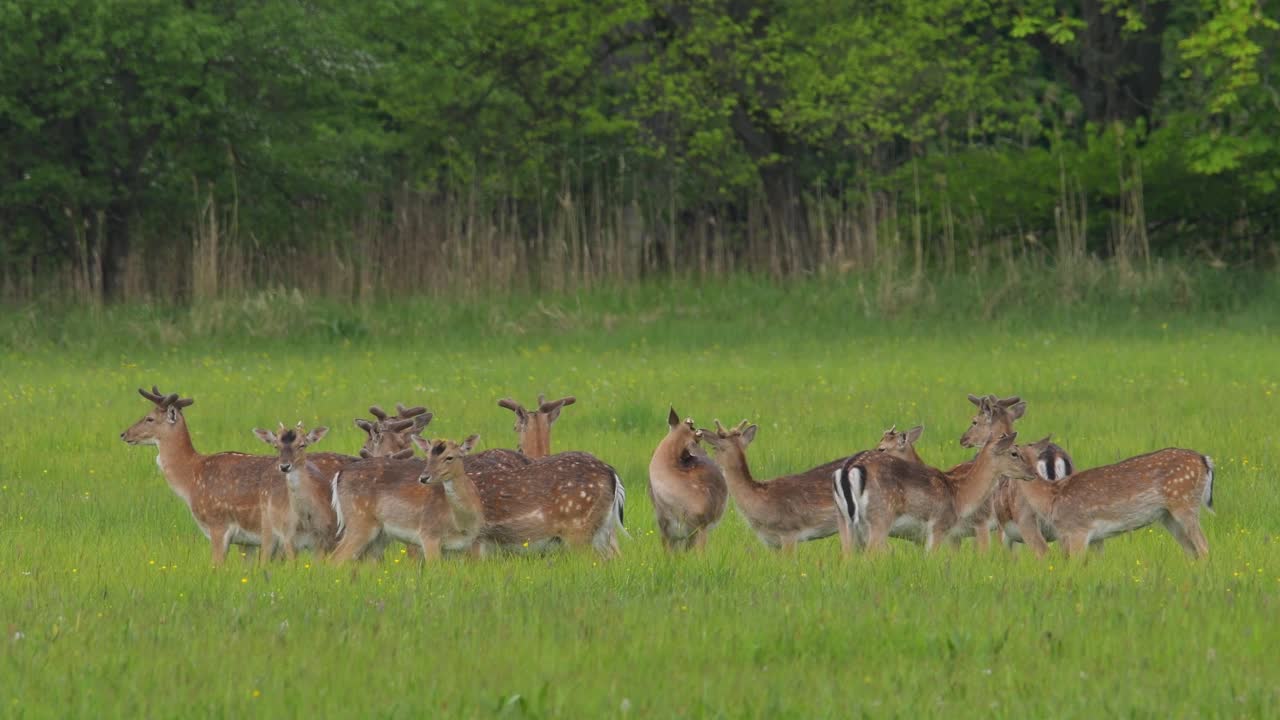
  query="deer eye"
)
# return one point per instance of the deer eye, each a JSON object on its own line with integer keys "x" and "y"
{"x": 151, "y": 419}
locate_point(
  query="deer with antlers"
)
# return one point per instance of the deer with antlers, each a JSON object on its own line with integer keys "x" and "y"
{"x": 784, "y": 511}
{"x": 433, "y": 505}
{"x": 1007, "y": 510}
{"x": 901, "y": 445}
{"x": 391, "y": 436}
{"x": 225, "y": 492}
{"x": 534, "y": 428}
{"x": 921, "y": 503}
{"x": 302, "y": 516}
{"x": 687, "y": 489}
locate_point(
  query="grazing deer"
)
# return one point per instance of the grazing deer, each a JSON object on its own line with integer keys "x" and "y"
{"x": 391, "y": 436}
{"x": 1007, "y": 509}
{"x": 301, "y": 517}
{"x": 922, "y": 503}
{"x": 436, "y": 507}
{"x": 892, "y": 443}
{"x": 225, "y": 492}
{"x": 1167, "y": 485}
{"x": 784, "y": 511}
{"x": 534, "y": 428}
{"x": 687, "y": 489}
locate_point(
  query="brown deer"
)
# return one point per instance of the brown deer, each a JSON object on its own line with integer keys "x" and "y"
{"x": 1007, "y": 509}
{"x": 302, "y": 516}
{"x": 687, "y": 489}
{"x": 436, "y": 507}
{"x": 921, "y": 503}
{"x": 892, "y": 443}
{"x": 226, "y": 492}
{"x": 534, "y": 428}
{"x": 784, "y": 511}
{"x": 1167, "y": 485}
{"x": 389, "y": 436}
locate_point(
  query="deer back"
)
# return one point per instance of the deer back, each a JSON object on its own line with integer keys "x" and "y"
{"x": 564, "y": 494}
{"x": 1139, "y": 487}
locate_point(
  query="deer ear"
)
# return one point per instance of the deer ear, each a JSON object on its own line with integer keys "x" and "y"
{"x": 1017, "y": 410}
{"x": 975, "y": 399}
{"x": 420, "y": 422}
{"x": 911, "y": 436}
{"x": 171, "y": 413}
{"x": 423, "y": 443}
{"x": 1004, "y": 442}
{"x": 554, "y": 414}
{"x": 468, "y": 444}
{"x": 749, "y": 434}
{"x": 317, "y": 434}
{"x": 673, "y": 419}
{"x": 265, "y": 436}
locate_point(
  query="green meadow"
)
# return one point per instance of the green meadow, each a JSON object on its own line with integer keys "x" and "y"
{"x": 110, "y": 608}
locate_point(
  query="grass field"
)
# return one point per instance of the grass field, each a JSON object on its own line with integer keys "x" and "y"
{"x": 110, "y": 607}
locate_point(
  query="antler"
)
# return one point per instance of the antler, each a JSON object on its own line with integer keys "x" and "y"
{"x": 743, "y": 425}
{"x": 892, "y": 429}
{"x": 511, "y": 405}
{"x": 378, "y": 412}
{"x": 720, "y": 428}
{"x": 546, "y": 407}
{"x": 405, "y": 412}
{"x": 165, "y": 401}
{"x": 398, "y": 425}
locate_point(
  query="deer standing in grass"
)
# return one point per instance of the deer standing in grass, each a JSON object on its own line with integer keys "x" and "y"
{"x": 534, "y": 427}
{"x": 1167, "y": 485}
{"x": 302, "y": 516}
{"x": 921, "y": 503}
{"x": 389, "y": 436}
{"x": 225, "y": 492}
{"x": 1007, "y": 509}
{"x": 892, "y": 443}
{"x": 784, "y": 511}
{"x": 687, "y": 489}
{"x": 435, "y": 508}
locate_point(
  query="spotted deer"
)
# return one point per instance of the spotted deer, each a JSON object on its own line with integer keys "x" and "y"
{"x": 302, "y": 516}
{"x": 388, "y": 436}
{"x": 225, "y": 492}
{"x": 921, "y": 503}
{"x": 784, "y": 511}
{"x": 435, "y": 507}
{"x": 1007, "y": 510}
{"x": 687, "y": 489}
{"x": 892, "y": 443}
{"x": 1167, "y": 485}
{"x": 534, "y": 427}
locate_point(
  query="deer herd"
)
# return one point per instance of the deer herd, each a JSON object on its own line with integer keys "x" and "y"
{"x": 529, "y": 500}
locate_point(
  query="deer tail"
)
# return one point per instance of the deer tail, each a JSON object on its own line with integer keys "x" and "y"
{"x": 1207, "y": 494}
{"x": 337, "y": 506}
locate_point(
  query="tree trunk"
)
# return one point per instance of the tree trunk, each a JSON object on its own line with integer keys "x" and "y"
{"x": 115, "y": 253}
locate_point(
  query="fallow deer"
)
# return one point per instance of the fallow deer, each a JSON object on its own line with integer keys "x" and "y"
{"x": 1167, "y": 485}
{"x": 534, "y": 428}
{"x": 302, "y": 516}
{"x": 435, "y": 508}
{"x": 922, "y": 503}
{"x": 389, "y": 436}
{"x": 784, "y": 511}
{"x": 1007, "y": 510}
{"x": 225, "y": 492}
{"x": 687, "y": 489}
{"x": 901, "y": 445}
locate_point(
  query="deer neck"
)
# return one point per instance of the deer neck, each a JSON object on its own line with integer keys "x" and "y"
{"x": 463, "y": 499}
{"x": 1040, "y": 495}
{"x": 535, "y": 443}
{"x": 973, "y": 485}
{"x": 737, "y": 475}
{"x": 668, "y": 453}
{"x": 178, "y": 460}
{"x": 307, "y": 489}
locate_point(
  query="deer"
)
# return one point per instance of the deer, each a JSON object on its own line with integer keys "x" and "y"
{"x": 1007, "y": 510}
{"x": 225, "y": 492}
{"x": 302, "y": 516}
{"x": 389, "y": 436}
{"x": 686, "y": 487}
{"x": 785, "y": 511}
{"x": 921, "y": 503}
{"x": 896, "y": 444}
{"x": 1168, "y": 486}
{"x": 534, "y": 428}
{"x": 435, "y": 507}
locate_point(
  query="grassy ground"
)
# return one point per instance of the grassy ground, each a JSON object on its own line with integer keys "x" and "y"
{"x": 110, "y": 608}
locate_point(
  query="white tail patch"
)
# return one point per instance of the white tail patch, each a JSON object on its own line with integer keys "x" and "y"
{"x": 337, "y": 506}
{"x": 1060, "y": 468}
{"x": 1042, "y": 469}
{"x": 1207, "y": 496}
{"x": 619, "y": 503}
{"x": 850, "y": 495}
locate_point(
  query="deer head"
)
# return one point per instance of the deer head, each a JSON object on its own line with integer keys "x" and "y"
{"x": 899, "y": 442}
{"x": 729, "y": 440}
{"x": 389, "y": 436}
{"x": 1006, "y": 458}
{"x": 165, "y": 419}
{"x": 995, "y": 417}
{"x": 534, "y": 428}
{"x": 683, "y": 435}
{"x": 291, "y": 443}
{"x": 444, "y": 459}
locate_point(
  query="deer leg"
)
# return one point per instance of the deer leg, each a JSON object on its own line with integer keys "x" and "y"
{"x": 219, "y": 539}
{"x": 268, "y": 546}
{"x": 354, "y": 540}
{"x": 1073, "y": 543}
{"x": 1095, "y": 547}
{"x": 1185, "y": 527}
{"x": 290, "y": 550}
{"x": 1029, "y": 528}
{"x": 699, "y": 541}
{"x": 430, "y": 548}
{"x": 846, "y": 534}
{"x": 982, "y": 536}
